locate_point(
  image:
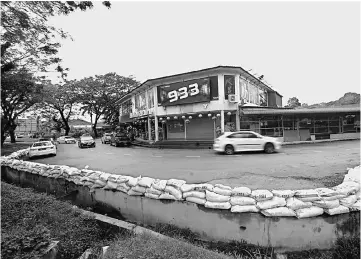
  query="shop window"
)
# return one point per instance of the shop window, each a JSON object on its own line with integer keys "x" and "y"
{"x": 229, "y": 86}
{"x": 176, "y": 127}
{"x": 351, "y": 123}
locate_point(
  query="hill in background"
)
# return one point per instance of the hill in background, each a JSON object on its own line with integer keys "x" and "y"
{"x": 349, "y": 99}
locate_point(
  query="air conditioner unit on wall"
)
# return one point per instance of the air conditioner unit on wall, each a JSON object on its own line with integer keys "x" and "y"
{"x": 232, "y": 98}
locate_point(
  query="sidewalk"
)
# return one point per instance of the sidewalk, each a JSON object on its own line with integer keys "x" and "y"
{"x": 317, "y": 141}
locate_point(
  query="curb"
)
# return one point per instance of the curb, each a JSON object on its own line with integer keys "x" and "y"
{"x": 316, "y": 141}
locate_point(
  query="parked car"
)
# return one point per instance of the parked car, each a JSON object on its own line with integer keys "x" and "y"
{"x": 66, "y": 140}
{"x": 231, "y": 142}
{"x": 55, "y": 143}
{"x": 86, "y": 140}
{"x": 41, "y": 148}
{"x": 120, "y": 140}
{"x": 106, "y": 138}
{"x": 20, "y": 135}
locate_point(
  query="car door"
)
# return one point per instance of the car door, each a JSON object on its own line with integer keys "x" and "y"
{"x": 238, "y": 141}
{"x": 253, "y": 142}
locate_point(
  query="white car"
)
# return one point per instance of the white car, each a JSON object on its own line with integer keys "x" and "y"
{"x": 41, "y": 148}
{"x": 66, "y": 140}
{"x": 231, "y": 142}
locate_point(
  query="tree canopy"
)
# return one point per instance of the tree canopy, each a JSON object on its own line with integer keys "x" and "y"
{"x": 293, "y": 102}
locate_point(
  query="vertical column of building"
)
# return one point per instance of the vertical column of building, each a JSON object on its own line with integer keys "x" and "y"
{"x": 149, "y": 126}
{"x": 155, "y": 96}
{"x": 221, "y": 98}
{"x": 238, "y": 98}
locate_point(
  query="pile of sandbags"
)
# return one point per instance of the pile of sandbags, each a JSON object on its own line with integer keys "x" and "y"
{"x": 218, "y": 197}
{"x": 190, "y": 193}
{"x": 241, "y": 200}
{"x": 172, "y": 190}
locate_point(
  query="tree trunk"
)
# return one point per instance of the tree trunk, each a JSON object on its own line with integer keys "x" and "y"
{"x": 67, "y": 129}
{"x": 12, "y": 135}
{"x": 95, "y": 130}
{"x": 3, "y": 137}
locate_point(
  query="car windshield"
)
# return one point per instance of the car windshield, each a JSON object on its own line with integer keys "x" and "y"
{"x": 67, "y": 137}
{"x": 86, "y": 137}
{"x": 40, "y": 144}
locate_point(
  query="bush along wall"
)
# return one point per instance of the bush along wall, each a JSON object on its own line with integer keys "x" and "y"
{"x": 343, "y": 198}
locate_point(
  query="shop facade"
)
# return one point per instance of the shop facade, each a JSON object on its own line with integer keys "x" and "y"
{"x": 198, "y": 105}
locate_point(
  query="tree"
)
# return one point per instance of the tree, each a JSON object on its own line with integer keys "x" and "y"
{"x": 293, "y": 102}
{"x": 19, "y": 92}
{"x": 27, "y": 41}
{"x": 100, "y": 94}
{"x": 58, "y": 103}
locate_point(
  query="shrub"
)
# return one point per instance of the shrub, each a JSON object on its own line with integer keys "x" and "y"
{"x": 30, "y": 220}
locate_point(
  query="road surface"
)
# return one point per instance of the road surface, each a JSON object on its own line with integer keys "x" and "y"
{"x": 295, "y": 166}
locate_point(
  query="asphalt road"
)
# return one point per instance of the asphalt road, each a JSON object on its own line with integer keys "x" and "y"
{"x": 295, "y": 166}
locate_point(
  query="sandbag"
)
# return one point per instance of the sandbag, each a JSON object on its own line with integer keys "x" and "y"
{"x": 174, "y": 191}
{"x": 123, "y": 187}
{"x": 222, "y": 191}
{"x": 309, "y": 212}
{"x": 131, "y": 192}
{"x": 279, "y": 212}
{"x": 336, "y": 197}
{"x": 145, "y": 182}
{"x": 151, "y": 196}
{"x": 358, "y": 195}
{"x": 214, "y": 197}
{"x": 176, "y": 183}
{"x": 187, "y": 187}
{"x": 122, "y": 179}
{"x": 99, "y": 184}
{"x": 356, "y": 206}
{"x": 138, "y": 188}
{"x": 326, "y": 204}
{"x": 353, "y": 175}
{"x": 348, "y": 201}
{"x": 221, "y": 186}
{"x": 93, "y": 175}
{"x": 113, "y": 178}
{"x": 247, "y": 208}
{"x": 132, "y": 181}
{"x": 338, "y": 210}
{"x": 196, "y": 200}
{"x": 309, "y": 199}
{"x": 261, "y": 195}
{"x": 326, "y": 192}
{"x": 167, "y": 196}
{"x": 218, "y": 205}
{"x": 283, "y": 193}
{"x": 272, "y": 203}
{"x": 308, "y": 193}
{"x": 241, "y": 191}
{"x": 159, "y": 184}
{"x": 242, "y": 201}
{"x": 111, "y": 186}
{"x": 153, "y": 191}
{"x": 296, "y": 204}
{"x": 347, "y": 188}
{"x": 104, "y": 177}
{"x": 195, "y": 194}
{"x": 203, "y": 187}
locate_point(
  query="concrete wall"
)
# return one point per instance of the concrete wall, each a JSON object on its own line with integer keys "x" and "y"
{"x": 285, "y": 234}
{"x": 345, "y": 136}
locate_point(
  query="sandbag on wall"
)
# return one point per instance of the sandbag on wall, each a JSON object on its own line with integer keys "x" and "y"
{"x": 241, "y": 191}
{"x": 279, "y": 212}
{"x": 214, "y": 197}
{"x": 309, "y": 212}
{"x": 272, "y": 203}
{"x": 338, "y": 210}
{"x": 326, "y": 204}
{"x": 242, "y": 201}
{"x": 283, "y": 193}
{"x": 353, "y": 175}
{"x": 145, "y": 182}
{"x": 175, "y": 192}
{"x": 307, "y": 195}
{"x": 356, "y": 206}
{"x": 196, "y": 200}
{"x": 203, "y": 187}
{"x": 243, "y": 209}
{"x": 222, "y": 189}
{"x": 347, "y": 188}
{"x": 261, "y": 195}
{"x": 296, "y": 204}
{"x": 195, "y": 194}
{"x": 348, "y": 201}
{"x": 159, "y": 184}
{"x": 218, "y": 205}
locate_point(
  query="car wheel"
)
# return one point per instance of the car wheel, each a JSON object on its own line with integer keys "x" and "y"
{"x": 269, "y": 148}
{"x": 229, "y": 150}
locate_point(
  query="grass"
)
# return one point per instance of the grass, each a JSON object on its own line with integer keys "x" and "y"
{"x": 147, "y": 247}
{"x": 9, "y": 148}
{"x": 29, "y": 221}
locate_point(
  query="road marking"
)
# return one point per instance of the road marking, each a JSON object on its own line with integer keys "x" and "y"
{"x": 127, "y": 154}
{"x": 193, "y": 156}
{"x": 317, "y": 151}
{"x": 109, "y": 153}
{"x": 157, "y": 156}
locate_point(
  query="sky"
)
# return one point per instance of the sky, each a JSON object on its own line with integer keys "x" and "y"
{"x": 310, "y": 50}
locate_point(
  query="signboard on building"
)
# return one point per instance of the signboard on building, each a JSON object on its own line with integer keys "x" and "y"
{"x": 192, "y": 91}
{"x": 229, "y": 86}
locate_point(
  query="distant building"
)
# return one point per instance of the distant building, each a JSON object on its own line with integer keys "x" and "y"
{"x": 79, "y": 124}
{"x": 27, "y": 124}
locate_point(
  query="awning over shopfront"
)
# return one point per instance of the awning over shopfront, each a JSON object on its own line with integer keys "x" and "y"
{"x": 265, "y": 111}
